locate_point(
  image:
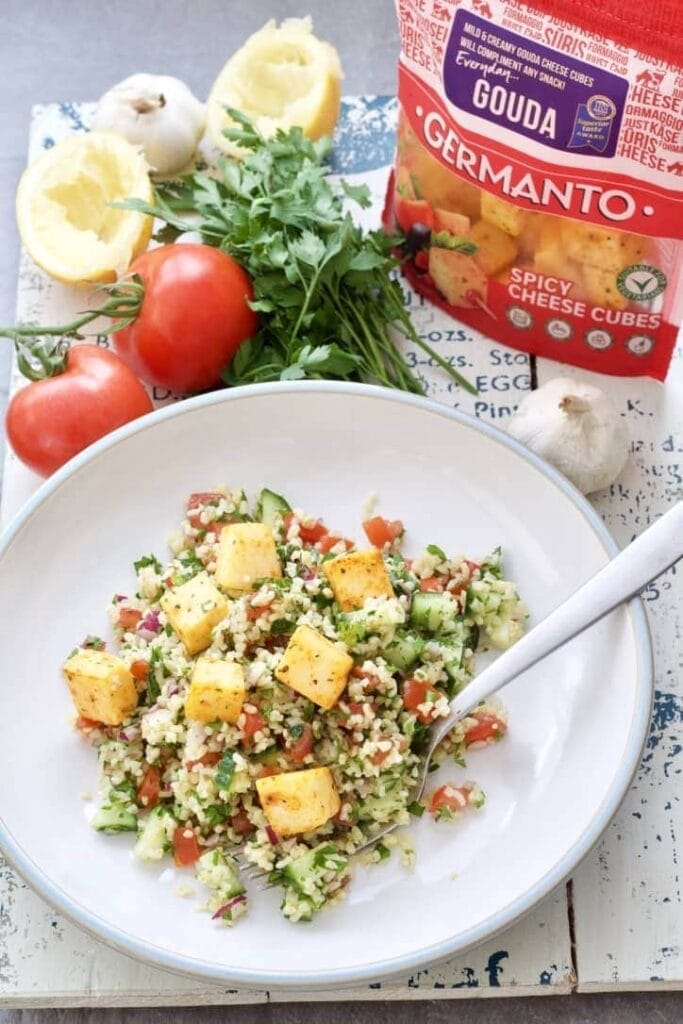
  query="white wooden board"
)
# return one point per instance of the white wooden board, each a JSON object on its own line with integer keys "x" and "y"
{"x": 626, "y": 896}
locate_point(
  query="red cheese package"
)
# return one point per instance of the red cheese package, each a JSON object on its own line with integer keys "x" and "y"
{"x": 539, "y": 173}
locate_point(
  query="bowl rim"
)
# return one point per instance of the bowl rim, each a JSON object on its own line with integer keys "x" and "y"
{"x": 197, "y": 968}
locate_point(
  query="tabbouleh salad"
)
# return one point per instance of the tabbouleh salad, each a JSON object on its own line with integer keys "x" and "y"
{"x": 273, "y": 690}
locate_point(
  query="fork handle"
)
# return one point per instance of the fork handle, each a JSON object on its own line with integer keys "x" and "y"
{"x": 647, "y": 557}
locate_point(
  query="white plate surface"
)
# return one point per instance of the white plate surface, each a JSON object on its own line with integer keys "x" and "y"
{"x": 577, "y": 721}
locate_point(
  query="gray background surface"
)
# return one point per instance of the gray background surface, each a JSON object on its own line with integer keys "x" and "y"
{"x": 53, "y": 50}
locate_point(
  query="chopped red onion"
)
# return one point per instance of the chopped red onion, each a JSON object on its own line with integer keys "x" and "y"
{"x": 229, "y": 905}
{"x": 272, "y": 835}
{"x": 172, "y": 690}
{"x": 150, "y": 623}
{"x": 131, "y": 732}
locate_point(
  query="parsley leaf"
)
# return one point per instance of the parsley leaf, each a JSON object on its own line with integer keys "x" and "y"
{"x": 325, "y": 290}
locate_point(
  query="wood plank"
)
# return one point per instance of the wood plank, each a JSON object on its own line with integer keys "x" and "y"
{"x": 628, "y": 892}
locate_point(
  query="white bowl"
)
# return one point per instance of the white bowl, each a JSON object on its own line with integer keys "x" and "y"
{"x": 577, "y": 721}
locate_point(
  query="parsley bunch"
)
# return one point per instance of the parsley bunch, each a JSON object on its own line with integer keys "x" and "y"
{"x": 324, "y": 290}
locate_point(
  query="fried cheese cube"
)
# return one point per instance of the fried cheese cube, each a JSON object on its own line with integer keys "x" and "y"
{"x": 246, "y": 553}
{"x": 315, "y": 667}
{"x": 495, "y": 249}
{"x": 295, "y": 802}
{"x": 504, "y": 215}
{"x": 216, "y": 692}
{"x": 193, "y": 609}
{"x": 356, "y": 576}
{"x": 101, "y": 686}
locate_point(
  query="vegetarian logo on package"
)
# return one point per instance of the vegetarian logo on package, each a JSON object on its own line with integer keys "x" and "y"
{"x": 537, "y": 182}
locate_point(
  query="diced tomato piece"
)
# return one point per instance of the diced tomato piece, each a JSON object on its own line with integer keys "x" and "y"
{"x": 129, "y": 618}
{"x": 436, "y": 583}
{"x": 241, "y": 824}
{"x": 255, "y": 612}
{"x": 253, "y": 723}
{"x": 197, "y": 501}
{"x": 302, "y": 745}
{"x": 412, "y": 211}
{"x": 268, "y": 769}
{"x": 88, "y": 723}
{"x": 417, "y": 692}
{"x": 380, "y": 756}
{"x": 327, "y": 542}
{"x": 488, "y": 727}
{"x": 148, "y": 790}
{"x": 308, "y": 534}
{"x": 210, "y": 758}
{"x": 185, "y": 847}
{"x": 139, "y": 670}
{"x": 371, "y": 680}
{"x": 381, "y": 531}
{"x": 452, "y": 797}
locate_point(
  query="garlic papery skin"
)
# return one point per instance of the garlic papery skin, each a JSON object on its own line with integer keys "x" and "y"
{"x": 576, "y": 428}
{"x": 159, "y": 114}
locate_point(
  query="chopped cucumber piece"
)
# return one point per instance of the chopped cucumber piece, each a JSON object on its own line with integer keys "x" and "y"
{"x": 306, "y": 874}
{"x": 404, "y": 650}
{"x": 155, "y": 835}
{"x": 433, "y": 612}
{"x": 115, "y": 817}
{"x": 270, "y": 507}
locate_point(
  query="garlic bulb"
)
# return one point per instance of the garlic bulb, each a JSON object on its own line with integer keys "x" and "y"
{"x": 577, "y": 428}
{"x": 157, "y": 113}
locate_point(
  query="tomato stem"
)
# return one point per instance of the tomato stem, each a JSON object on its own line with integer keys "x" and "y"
{"x": 38, "y": 358}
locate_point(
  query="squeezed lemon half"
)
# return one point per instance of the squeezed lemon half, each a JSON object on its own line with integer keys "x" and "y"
{"x": 65, "y": 219}
{"x": 282, "y": 76}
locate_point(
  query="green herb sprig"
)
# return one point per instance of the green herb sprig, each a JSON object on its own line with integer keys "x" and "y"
{"x": 324, "y": 289}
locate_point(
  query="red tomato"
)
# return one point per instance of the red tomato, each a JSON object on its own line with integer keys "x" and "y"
{"x": 241, "y": 824}
{"x": 381, "y": 531}
{"x": 436, "y": 583}
{"x": 197, "y": 501}
{"x": 380, "y": 756}
{"x": 49, "y": 421}
{"x": 268, "y": 769}
{"x": 412, "y": 211}
{"x": 327, "y": 542}
{"x": 488, "y": 727}
{"x": 450, "y": 797}
{"x": 416, "y": 692}
{"x": 139, "y": 670}
{"x": 254, "y": 722}
{"x": 193, "y": 318}
{"x": 303, "y": 745}
{"x": 148, "y": 790}
{"x": 308, "y": 534}
{"x": 422, "y": 259}
{"x": 185, "y": 847}
{"x": 255, "y": 612}
{"x": 129, "y": 618}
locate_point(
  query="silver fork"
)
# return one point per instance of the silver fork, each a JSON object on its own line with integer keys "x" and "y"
{"x": 646, "y": 558}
